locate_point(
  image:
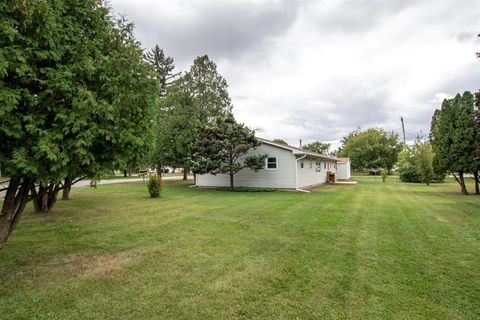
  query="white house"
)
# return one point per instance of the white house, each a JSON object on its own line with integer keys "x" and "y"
{"x": 286, "y": 167}
{"x": 343, "y": 169}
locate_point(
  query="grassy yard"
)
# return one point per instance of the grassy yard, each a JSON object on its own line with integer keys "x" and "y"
{"x": 370, "y": 251}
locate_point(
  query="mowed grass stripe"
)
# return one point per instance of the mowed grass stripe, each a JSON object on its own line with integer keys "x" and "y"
{"x": 370, "y": 251}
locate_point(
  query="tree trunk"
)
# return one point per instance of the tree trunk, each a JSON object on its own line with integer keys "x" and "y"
{"x": 125, "y": 173}
{"x": 475, "y": 175}
{"x": 159, "y": 170}
{"x": 462, "y": 183}
{"x": 45, "y": 198}
{"x": 67, "y": 186}
{"x": 66, "y": 193}
{"x": 13, "y": 206}
{"x": 231, "y": 181}
{"x": 185, "y": 173}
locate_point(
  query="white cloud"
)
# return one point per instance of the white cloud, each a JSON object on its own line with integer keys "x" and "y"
{"x": 318, "y": 69}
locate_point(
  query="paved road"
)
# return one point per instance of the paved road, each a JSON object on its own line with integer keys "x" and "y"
{"x": 86, "y": 183}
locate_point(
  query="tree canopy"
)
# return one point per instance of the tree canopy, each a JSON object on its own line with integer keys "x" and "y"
{"x": 455, "y": 138}
{"x": 220, "y": 146}
{"x": 77, "y": 97}
{"x": 163, "y": 65}
{"x": 208, "y": 89}
{"x": 371, "y": 148}
{"x": 318, "y": 147}
{"x": 194, "y": 99}
{"x": 415, "y": 163}
{"x": 280, "y": 141}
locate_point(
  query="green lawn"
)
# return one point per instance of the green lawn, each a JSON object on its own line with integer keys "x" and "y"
{"x": 370, "y": 251}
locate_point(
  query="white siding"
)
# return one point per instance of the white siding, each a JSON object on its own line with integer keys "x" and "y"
{"x": 283, "y": 177}
{"x": 344, "y": 171}
{"x": 310, "y": 176}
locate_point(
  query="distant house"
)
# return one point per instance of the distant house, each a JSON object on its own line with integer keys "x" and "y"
{"x": 286, "y": 167}
{"x": 343, "y": 169}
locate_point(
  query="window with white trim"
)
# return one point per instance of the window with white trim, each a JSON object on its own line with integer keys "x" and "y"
{"x": 318, "y": 167}
{"x": 311, "y": 165}
{"x": 301, "y": 164}
{"x": 271, "y": 163}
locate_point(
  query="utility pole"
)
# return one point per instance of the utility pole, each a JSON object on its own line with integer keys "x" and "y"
{"x": 300, "y": 143}
{"x": 403, "y": 129}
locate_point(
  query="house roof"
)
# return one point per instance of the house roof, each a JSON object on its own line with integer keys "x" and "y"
{"x": 343, "y": 160}
{"x": 298, "y": 151}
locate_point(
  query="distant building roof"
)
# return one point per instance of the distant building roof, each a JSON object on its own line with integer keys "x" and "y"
{"x": 298, "y": 150}
{"x": 343, "y": 160}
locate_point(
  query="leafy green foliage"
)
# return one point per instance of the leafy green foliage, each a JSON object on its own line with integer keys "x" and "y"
{"x": 208, "y": 89}
{"x": 196, "y": 98}
{"x": 220, "y": 145}
{"x": 384, "y": 174}
{"x": 318, "y": 147}
{"x": 409, "y": 174}
{"x": 455, "y": 138}
{"x": 280, "y": 141}
{"x": 163, "y": 65}
{"x": 416, "y": 164}
{"x": 175, "y": 127}
{"x": 372, "y": 148}
{"x": 75, "y": 88}
{"x": 423, "y": 161}
{"x": 155, "y": 186}
{"x": 76, "y": 96}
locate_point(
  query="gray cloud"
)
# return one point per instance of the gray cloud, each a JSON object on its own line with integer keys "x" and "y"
{"x": 320, "y": 69}
{"x": 221, "y": 29}
{"x": 357, "y": 15}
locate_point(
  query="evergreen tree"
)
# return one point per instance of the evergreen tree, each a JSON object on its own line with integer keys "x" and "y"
{"x": 208, "y": 89}
{"x": 221, "y": 144}
{"x": 76, "y": 95}
{"x": 164, "y": 67}
{"x": 454, "y": 138}
{"x": 194, "y": 99}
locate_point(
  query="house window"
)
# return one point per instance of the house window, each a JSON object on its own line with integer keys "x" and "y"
{"x": 311, "y": 165}
{"x": 301, "y": 164}
{"x": 272, "y": 163}
{"x": 318, "y": 166}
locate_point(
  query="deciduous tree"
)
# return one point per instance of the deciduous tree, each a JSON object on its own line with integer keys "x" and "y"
{"x": 318, "y": 147}
{"x": 371, "y": 148}
{"x": 280, "y": 141}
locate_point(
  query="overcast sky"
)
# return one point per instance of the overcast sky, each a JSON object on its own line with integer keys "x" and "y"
{"x": 316, "y": 70}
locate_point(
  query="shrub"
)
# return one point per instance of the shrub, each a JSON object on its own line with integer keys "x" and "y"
{"x": 409, "y": 174}
{"x": 155, "y": 186}
{"x": 384, "y": 174}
